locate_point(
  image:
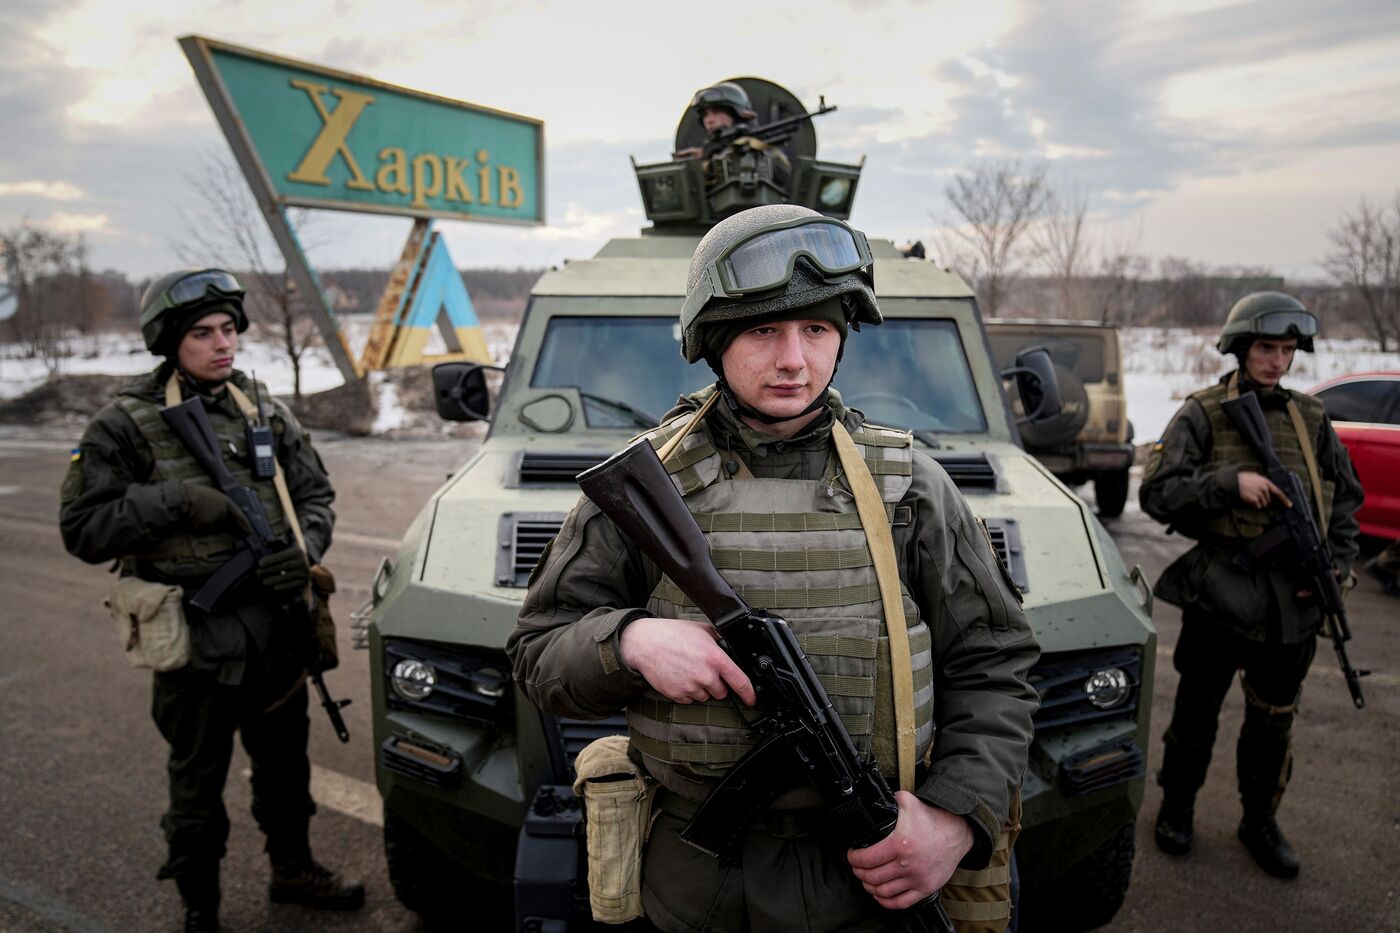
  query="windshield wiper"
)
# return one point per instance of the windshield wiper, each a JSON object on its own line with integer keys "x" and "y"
{"x": 927, "y": 438}
{"x": 641, "y": 418}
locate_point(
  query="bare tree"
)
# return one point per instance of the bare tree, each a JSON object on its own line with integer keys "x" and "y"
{"x": 997, "y": 203}
{"x": 55, "y": 292}
{"x": 1063, "y": 247}
{"x": 1365, "y": 260}
{"x": 221, "y": 225}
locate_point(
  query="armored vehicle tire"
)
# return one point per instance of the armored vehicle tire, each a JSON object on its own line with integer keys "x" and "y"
{"x": 1111, "y": 492}
{"x": 1074, "y": 412}
{"x": 426, "y": 883}
{"x": 1088, "y": 895}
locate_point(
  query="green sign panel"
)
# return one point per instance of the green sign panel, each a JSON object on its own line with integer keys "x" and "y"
{"x": 323, "y": 138}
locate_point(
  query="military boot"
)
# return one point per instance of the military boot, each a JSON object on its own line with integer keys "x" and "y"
{"x": 1265, "y": 842}
{"x": 200, "y": 891}
{"x": 1174, "y": 833}
{"x": 308, "y": 882}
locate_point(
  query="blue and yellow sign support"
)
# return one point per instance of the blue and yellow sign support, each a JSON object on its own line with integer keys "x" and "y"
{"x": 310, "y": 136}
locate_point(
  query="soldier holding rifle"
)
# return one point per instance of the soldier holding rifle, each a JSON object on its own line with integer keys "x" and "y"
{"x": 231, "y": 650}
{"x": 1248, "y": 605}
{"x": 908, "y": 619}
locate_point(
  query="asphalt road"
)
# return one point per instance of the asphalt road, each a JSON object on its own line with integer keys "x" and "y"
{"x": 82, "y": 782}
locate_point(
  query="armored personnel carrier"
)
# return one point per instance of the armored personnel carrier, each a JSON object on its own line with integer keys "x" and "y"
{"x": 478, "y": 812}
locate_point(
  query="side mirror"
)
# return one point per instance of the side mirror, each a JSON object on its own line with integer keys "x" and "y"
{"x": 1034, "y": 373}
{"x": 460, "y": 393}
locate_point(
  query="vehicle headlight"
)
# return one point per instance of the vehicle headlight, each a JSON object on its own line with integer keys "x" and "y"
{"x": 413, "y": 679}
{"x": 1107, "y": 688}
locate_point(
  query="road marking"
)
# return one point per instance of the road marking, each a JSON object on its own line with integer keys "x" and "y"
{"x": 346, "y": 795}
{"x": 8, "y": 490}
{"x": 349, "y": 537}
{"x": 41, "y": 905}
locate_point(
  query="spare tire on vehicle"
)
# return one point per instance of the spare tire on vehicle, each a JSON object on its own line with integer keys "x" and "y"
{"x": 1074, "y": 412}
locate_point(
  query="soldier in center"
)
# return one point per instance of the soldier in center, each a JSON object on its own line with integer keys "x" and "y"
{"x": 771, "y": 295}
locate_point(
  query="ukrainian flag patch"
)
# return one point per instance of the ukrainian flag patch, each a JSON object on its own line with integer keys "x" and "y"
{"x": 75, "y": 455}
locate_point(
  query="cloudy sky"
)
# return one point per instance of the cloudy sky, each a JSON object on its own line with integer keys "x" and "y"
{"x": 1223, "y": 133}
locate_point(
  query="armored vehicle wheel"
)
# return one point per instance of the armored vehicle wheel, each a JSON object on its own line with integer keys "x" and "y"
{"x": 1111, "y": 492}
{"x": 428, "y": 884}
{"x": 1088, "y": 895}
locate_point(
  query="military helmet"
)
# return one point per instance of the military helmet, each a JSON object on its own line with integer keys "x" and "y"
{"x": 726, "y": 94}
{"x": 182, "y": 297}
{"x": 771, "y": 259}
{"x": 1270, "y": 315}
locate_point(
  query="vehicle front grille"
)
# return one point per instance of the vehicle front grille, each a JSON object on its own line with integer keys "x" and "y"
{"x": 1060, "y": 681}
{"x": 554, "y": 469}
{"x": 521, "y": 538}
{"x": 969, "y": 471}
{"x": 567, "y": 737}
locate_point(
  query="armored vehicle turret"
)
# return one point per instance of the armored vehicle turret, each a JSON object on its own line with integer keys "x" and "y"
{"x": 476, "y": 782}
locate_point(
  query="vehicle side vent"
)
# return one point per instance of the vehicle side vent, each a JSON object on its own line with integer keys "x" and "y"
{"x": 554, "y": 469}
{"x": 970, "y": 471}
{"x": 521, "y": 538}
{"x": 1006, "y": 541}
{"x": 567, "y": 737}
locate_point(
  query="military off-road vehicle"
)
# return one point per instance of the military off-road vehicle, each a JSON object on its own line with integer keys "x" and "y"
{"x": 1091, "y": 439}
{"x": 478, "y": 812}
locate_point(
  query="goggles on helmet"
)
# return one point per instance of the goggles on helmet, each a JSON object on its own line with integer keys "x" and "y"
{"x": 1285, "y": 324}
{"x": 195, "y": 286}
{"x": 765, "y": 260}
{"x": 713, "y": 97}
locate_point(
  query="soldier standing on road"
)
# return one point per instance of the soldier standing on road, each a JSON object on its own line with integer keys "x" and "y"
{"x": 134, "y": 494}
{"x": 1204, "y": 481}
{"x": 772, "y": 292}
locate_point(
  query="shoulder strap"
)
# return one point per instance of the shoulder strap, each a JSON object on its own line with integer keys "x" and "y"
{"x": 875, "y": 521}
{"x": 670, "y": 446}
{"x": 1314, "y": 477}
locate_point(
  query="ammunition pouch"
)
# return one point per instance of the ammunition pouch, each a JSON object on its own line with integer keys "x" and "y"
{"x": 322, "y": 586}
{"x": 980, "y": 901}
{"x": 617, "y": 799}
{"x": 150, "y": 621}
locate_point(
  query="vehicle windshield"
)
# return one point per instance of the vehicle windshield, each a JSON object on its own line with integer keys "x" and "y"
{"x": 629, "y": 371}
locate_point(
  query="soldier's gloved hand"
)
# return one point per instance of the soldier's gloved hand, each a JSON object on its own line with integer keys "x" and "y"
{"x": 210, "y": 510}
{"x": 285, "y": 571}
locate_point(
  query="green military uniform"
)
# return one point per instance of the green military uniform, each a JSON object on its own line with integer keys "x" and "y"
{"x": 1234, "y": 619}
{"x": 970, "y": 642}
{"x": 126, "y": 498}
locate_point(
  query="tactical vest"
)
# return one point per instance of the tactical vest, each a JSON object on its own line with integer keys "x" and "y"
{"x": 1228, "y": 447}
{"x": 184, "y": 554}
{"x": 796, "y": 548}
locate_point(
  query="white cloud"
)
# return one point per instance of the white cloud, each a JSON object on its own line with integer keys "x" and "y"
{"x": 52, "y": 190}
{"x": 63, "y": 222}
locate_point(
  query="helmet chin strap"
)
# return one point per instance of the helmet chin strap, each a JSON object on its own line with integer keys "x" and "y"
{"x": 740, "y": 408}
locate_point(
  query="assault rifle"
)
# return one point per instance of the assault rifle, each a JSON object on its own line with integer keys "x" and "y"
{"x": 1297, "y": 531}
{"x": 774, "y": 134}
{"x": 189, "y": 423}
{"x": 801, "y": 738}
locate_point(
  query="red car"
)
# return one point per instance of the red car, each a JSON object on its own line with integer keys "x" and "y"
{"x": 1365, "y": 410}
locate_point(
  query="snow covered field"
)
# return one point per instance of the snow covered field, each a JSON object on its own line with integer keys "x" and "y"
{"x": 1161, "y": 367}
